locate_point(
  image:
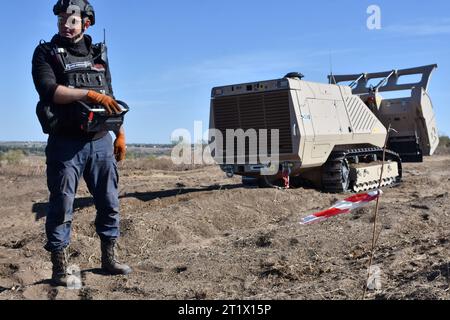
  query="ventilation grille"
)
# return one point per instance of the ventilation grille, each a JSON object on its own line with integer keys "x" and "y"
{"x": 361, "y": 118}
{"x": 269, "y": 110}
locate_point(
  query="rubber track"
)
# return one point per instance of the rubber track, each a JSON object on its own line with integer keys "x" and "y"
{"x": 332, "y": 169}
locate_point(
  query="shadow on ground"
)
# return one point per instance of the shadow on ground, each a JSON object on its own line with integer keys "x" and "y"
{"x": 40, "y": 209}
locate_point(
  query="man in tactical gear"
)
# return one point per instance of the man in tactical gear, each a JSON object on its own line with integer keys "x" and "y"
{"x": 65, "y": 71}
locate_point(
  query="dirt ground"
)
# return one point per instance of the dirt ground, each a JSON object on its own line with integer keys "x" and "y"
{"x": 195, "y": 234}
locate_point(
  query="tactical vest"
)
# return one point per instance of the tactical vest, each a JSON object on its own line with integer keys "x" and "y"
{"x": 86, "y": 72}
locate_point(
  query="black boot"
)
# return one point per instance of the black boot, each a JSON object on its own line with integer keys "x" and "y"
{"x": 59, "y": 274}
{"x": 109, "y": 263}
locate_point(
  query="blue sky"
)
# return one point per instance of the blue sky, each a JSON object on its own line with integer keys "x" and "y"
{"x": 166, "y": 56}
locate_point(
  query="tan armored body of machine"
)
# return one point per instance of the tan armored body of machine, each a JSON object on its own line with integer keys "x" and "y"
{"x": 327, "y": 134}
{"x": 412, "y": 117}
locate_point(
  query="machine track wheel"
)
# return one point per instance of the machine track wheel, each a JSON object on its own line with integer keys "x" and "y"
{"x": 336, "y": 171}
{"x": 336, "y": 175}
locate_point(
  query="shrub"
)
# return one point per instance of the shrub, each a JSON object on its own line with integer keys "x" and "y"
{"x": 444, "y": 141}
{"x": 12, "y": 156}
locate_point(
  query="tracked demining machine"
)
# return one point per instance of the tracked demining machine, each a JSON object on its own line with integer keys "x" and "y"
{"x": 331, "y": 135}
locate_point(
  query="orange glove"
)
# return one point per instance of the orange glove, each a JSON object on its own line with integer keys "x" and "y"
{"x": 109, "y": 103}
{"x": 120, "y": 148}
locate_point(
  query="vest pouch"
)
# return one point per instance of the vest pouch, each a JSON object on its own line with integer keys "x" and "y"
{"x": 47, "y": 118}
{"x": 55, "y": 119}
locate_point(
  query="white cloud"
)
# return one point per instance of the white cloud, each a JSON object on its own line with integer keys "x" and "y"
{"x": 421, "y": 28}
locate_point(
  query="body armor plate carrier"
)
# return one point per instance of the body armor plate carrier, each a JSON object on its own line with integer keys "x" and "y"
{"x": 87, "y": 72}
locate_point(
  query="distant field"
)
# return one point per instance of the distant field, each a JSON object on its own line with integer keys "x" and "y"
{"x": 137, "y": 151}
{"x": 38, "y": 149}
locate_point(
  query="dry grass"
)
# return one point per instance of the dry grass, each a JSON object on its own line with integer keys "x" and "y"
{"x": 12, "y": 157}
{"x": 444, "y": 146}
{"x": 28, "y": 166}
{"x": 157, "y": 163}
{"x": 33, "y": 166}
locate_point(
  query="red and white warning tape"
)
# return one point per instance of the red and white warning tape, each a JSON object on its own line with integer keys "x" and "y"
{"x": 344, "y": 206}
